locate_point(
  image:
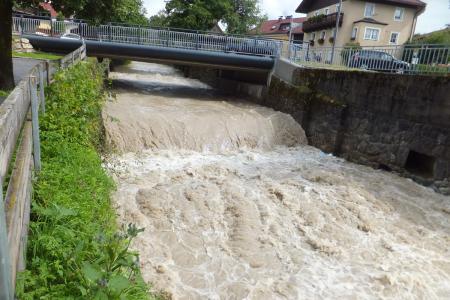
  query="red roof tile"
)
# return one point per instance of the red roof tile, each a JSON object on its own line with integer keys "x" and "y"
{"x": 48, "y": 7}
{"x": 273, "y": 26}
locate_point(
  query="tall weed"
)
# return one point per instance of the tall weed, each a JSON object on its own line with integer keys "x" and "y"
{"x": 74, "y": 250}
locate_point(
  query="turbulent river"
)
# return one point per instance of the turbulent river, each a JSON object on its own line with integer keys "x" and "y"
{"x": 235, "y": 205}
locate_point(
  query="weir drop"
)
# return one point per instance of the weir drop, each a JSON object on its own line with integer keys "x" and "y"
{"x": 236, "y": 205}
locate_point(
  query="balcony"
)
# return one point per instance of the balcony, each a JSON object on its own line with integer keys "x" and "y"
{"x": 321, "y": 22}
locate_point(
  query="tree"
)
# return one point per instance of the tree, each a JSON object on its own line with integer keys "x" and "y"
{"x": 104, "y": 11}
{"x": 239, "y": 16}
{"x": 6, "y": 73}
{"x": 196, "y": 14}
{"x": 243, "y": 16}
{"x": 159, "y": 20}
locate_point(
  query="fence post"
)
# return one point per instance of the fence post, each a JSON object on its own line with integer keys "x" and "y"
{"x": 5, "y": 263}
{"x": 196, "y": 40}
{"x": 35, "y": 125}
{"x": 21, "y": 25}
{"x": 41, "y": 87}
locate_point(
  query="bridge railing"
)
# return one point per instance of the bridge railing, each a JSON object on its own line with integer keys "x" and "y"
{"x": 151, "y": 36}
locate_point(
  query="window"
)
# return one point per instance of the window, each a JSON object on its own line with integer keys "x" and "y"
{"x": 313, "y": 36}
{"x": 316, "y": 13}
{"x": 369, "y": 10}
{"x": 322, "y": 35}
{"x": 327, "y": 10}
{"x": 394, "y": 38}
{"x": 354, "y": 33}
{"x": 372, "y": 34}
{"x": 398, "y": 14}
{"x": 285, "y": 26}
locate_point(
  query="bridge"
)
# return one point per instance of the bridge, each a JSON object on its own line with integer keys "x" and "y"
{"x": 161, "y": 45}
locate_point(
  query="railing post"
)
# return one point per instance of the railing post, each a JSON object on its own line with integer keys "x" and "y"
{"x": 35, "y": 124}
{"x": 196, "y": 41}
{"x": 21, "y": 25}
{"x": 167, "y": 37}
{"x": 41, "y": 87}
{"x": 109, "y": 32}
{"x": 5, "y": 262}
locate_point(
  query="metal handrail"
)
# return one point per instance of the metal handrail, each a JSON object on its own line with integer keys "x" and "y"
{"x": 150, "y": 36}
{"x": 408, "y": 59}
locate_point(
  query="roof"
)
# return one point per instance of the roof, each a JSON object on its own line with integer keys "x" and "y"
{"x": 273, "y": 26}
{"x": 310, "y": 5}
{"x": 370, "y": 20}
{"x": 48, "y": 7}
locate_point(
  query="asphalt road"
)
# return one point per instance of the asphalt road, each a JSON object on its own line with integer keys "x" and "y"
{"x": 22, "y": 66}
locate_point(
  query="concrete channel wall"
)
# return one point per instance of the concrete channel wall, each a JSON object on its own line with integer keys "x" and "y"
{"x": 388, "y": 121}
{"x": 394, "y": 122}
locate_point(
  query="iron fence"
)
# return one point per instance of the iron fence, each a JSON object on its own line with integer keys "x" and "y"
{"x": 404, "y": 59}
{"x": 150, "y": 36}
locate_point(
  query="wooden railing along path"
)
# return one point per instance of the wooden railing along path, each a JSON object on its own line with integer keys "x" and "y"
{"x": 20, "y": 163}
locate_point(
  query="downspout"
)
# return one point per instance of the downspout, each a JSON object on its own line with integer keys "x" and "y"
{"x": 413, "y": 28}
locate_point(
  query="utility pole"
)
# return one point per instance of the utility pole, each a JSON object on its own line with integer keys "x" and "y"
{"x": 290, "y": 37}
{"x": 338, "y": 18}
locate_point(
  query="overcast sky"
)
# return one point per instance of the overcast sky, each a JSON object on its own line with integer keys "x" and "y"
{"x": 436, "y": 16}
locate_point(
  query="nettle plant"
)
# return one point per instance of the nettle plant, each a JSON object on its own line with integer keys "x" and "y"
{"x": 115, "y": 273}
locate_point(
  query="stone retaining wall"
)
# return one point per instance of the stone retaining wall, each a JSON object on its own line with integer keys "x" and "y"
{"x": 388, "y": 121}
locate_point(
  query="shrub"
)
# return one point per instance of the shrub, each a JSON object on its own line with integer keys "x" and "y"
{"x": 348, "y": 50}
{"x": 74, "y": 250}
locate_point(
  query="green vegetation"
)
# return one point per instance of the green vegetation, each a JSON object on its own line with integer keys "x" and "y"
{"x": 4, "y": 94}
{"x": 74, "y": 250}
{"x": 96, "y": 11}
{"x": 435, "y": 37}
{"x": 239, "y": 15}
{"x": 37, "y": 55}
{"x": 349, "y": 50}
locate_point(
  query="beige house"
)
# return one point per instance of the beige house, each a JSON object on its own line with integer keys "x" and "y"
{"x": 369, "y": 23}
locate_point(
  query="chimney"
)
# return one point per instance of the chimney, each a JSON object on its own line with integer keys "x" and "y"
{"x": 288, "y": 17}
{"x": 280, "y": 18}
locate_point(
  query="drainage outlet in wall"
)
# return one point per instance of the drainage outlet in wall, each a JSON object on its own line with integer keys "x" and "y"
{"x": 420, "y": 164}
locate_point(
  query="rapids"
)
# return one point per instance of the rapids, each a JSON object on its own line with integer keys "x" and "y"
{"x": 235, "y": 205}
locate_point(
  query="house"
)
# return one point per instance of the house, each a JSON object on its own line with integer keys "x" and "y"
{"x": 369, "y": 23}
{"x": 279, "y": 29}
{"x": 43, "y": 11}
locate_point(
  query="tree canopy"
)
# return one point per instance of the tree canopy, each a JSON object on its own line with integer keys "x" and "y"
{"x": 239, "y": 16}
{"x": 97, "y": 11}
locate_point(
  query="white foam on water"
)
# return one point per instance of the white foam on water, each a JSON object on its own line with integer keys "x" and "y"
{"x": 234, "y": 210}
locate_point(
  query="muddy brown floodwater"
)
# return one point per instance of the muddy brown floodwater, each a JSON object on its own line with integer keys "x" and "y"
{"x": 235, "y": 205}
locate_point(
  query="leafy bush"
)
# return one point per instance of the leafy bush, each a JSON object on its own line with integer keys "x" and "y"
{"x": 435, "y": 37}
{"x": 348, "y": 50}
{"x": 316, "y": 19}
{"x": 74, "y": 250}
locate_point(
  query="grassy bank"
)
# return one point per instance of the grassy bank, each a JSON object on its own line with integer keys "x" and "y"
{"x": 74, "y": 249}
{"x": 37, "y": 55}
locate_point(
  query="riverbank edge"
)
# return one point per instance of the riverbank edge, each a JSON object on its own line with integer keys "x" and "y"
{"x": 75, "y": 248}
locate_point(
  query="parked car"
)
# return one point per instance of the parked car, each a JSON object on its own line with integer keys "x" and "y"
{"x": 71, "y": 36}
{"x": 253, "y": 47}
{"x": 377, "y": 61}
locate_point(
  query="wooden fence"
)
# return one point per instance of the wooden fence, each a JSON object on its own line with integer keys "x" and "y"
{"x": 20, "y": 163}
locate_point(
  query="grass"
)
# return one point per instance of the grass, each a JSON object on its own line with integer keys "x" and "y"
{"x": 4, "y": 94}
{"x": 75, "y": 250}
{"x": 37, "y": 55}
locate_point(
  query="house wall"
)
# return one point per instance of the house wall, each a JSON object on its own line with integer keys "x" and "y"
{"x": 283, "y": 36}
{"x": 353, "y": 11}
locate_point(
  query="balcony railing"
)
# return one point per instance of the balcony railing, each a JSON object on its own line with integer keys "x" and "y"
{"x": 321, "y": 22}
